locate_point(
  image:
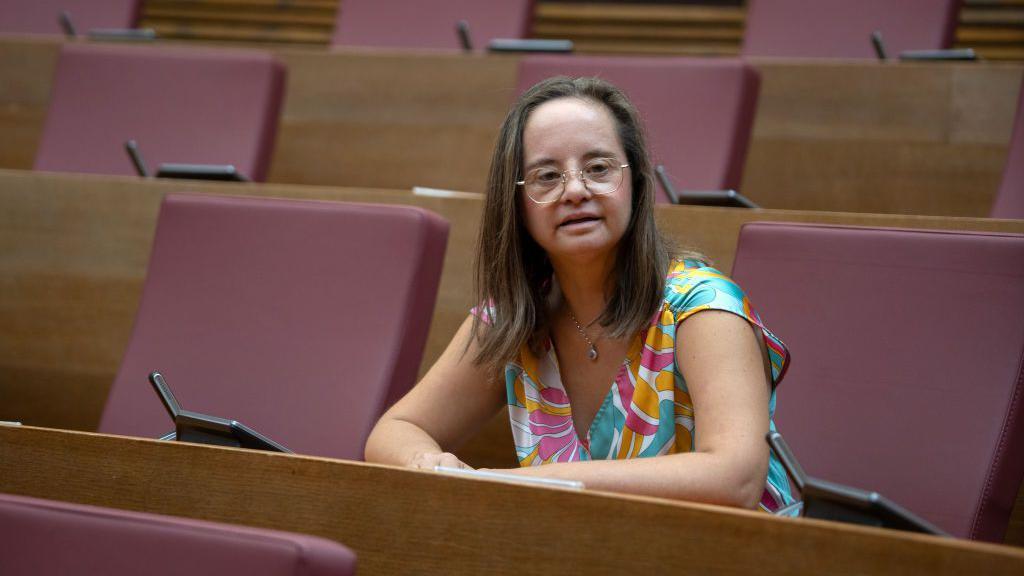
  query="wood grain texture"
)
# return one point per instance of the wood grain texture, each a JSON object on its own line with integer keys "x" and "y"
{"x": 401, "y": 521}
{"x": 863, "y": 137}
{"x": 391, "y": 120}
{"x": 831, "y": 136}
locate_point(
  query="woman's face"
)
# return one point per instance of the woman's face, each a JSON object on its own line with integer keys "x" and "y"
{"x": 567, "y": 134}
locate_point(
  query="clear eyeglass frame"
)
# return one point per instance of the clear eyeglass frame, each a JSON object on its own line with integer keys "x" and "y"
{"x": 566, "y": 174}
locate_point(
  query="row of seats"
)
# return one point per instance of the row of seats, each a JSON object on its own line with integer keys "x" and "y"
{"x": 905, "y": 385}
{"x": 791, "y": 28}
{"x": 185, "y": 105}
{"x": 222, "y": 318}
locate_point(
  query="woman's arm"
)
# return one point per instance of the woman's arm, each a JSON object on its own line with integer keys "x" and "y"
{"x": 722, "y": 359}
{"x": 449, "y": 404}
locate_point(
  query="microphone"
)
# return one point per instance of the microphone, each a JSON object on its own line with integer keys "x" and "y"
{"x": 132, "y": 148}
{"x": 462, "y": 31}
{"x": 64, "y": 18}
{"x": 670, "y": 190}
{"x": 879, "y": 46}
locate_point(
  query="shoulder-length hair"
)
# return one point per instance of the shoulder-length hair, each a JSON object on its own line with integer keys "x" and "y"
{"x": 513, "y": 273}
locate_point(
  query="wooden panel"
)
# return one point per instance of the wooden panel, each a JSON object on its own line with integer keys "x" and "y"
{"x": 391, "y": 119}
{"x": 26, "y": 76}
{"x": 294, "y": 21}
{"x": 859, "y": 136}
{"x": 402, "y": 521}
{"x": 638, "y": 28}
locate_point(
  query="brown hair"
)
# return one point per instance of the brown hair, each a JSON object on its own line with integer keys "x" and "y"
{"x": 513, "y": 273}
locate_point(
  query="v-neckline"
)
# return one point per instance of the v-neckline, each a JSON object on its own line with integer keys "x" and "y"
{"x": 632, "y": 356}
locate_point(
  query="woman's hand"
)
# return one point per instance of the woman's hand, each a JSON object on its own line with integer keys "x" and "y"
{"x": 452, "y": 402}
{"x": 428, "y": 460}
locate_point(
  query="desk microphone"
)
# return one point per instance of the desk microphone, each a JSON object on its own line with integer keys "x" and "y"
{"x": 462, "y": 30}
{"x": 64, "y": 18}
{"x": 879, "y": 45}
{"x": 132, "y": 148}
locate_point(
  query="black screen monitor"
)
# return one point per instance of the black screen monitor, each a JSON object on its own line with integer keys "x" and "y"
{"x": 203, "y": 429}
{"x": 826, "y": 500}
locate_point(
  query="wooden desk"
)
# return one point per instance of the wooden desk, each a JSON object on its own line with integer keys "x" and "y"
{"x": 834, "y": 136}
{"x": 402, "y": 521}
{"x": 74, "y": 248}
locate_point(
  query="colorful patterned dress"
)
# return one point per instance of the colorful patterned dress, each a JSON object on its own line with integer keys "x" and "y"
{"x": 647, "y": 411}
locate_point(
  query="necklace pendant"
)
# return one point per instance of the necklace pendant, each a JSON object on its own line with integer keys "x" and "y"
{"x": 592, "y": 353}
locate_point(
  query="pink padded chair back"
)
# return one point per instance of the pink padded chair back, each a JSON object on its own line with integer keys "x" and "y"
{"x": 302, "y": 320}
{"x": 48, "y": 538}
{"x": 842, "y": 29}
{"x": 908, "y": 362}
{"x": 698, "y": 112}
{"x": 181, "y": 105}
{"x": 40, "y": 16}
{"x": 418, "y": 24}
{"x": 1009, "y": 201}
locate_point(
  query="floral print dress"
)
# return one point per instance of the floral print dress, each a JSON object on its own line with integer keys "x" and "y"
{"x": 647, "y": 410}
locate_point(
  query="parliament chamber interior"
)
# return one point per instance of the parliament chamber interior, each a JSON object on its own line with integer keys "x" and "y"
{"x": 235, "y": 233}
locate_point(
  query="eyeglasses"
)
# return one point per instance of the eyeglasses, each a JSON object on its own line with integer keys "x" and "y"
{"x": 601, "y": 176}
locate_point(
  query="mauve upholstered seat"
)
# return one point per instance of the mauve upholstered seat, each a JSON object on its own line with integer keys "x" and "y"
{"x": 182, "y": 105}
{"x": 1009, "y": 202}
{"x": 418, "y": 24}
{"x": 698, "y": 112}
{"x": 842, "y": 28}
{"x": 45, "y": 537}
{"x": 301, "y": 319}
{"x": 908, "y": 361}
{"x": 40, "y": 16}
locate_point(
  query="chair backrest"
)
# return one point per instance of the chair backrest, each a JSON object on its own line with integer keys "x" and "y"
{"x": 303, "y": 320}
{"x": 181, "y": 105}
{"x": 698, "y": 113}
{"x": 842, "y": 29}
{"x": 418, "y": 24}
{"x": 40, "y": 16}
{"x": 1009, "y": 202}
{"x": 908, "y": 361}
{"x": 44, "y": 538}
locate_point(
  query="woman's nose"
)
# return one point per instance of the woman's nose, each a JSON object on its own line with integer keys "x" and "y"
{"x": 575, "y": 188}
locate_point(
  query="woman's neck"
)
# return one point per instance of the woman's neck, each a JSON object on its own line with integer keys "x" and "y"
{"x": 585, "y": 286}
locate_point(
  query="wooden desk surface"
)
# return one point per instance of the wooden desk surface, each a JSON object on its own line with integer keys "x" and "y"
{"x": 855, "y": 136}
{"x": 401, "y": 521}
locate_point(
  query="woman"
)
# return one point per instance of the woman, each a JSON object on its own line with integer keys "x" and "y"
{"x": 605, "y": 349}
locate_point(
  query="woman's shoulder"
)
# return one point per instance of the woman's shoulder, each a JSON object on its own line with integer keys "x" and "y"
{"x": 693, "y": 283}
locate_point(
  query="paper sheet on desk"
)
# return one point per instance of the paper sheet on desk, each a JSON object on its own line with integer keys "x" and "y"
{"x": 488, "y": 475}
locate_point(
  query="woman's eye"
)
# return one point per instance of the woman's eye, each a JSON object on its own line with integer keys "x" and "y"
{"x": 597, "y": 168}
{"x": 547, "y": 176}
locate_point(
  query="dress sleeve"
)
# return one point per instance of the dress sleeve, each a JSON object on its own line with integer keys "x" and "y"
{"x": 693, "y": 287}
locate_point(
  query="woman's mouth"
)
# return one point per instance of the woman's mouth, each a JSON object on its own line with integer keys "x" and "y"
{"x": 578, "y": 221}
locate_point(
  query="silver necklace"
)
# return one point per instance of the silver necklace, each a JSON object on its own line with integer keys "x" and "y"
{"x": 592, "y": 352}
